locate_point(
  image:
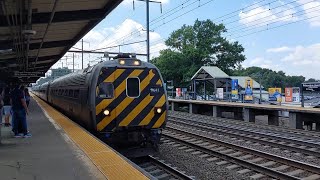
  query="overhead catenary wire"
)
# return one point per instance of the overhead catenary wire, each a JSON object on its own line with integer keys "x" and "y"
{"x": 270, "y": 22}
{"x": 140, "y": 29}
{"x": 275, "y": 27}
{"x": 269, "y": 9}
{"x": 233, "y": 12}
{"x": 221, "y": 16}
{"x": 235, "y": 27}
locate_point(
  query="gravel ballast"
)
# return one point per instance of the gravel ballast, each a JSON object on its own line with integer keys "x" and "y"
{"x": 194, "y": 165}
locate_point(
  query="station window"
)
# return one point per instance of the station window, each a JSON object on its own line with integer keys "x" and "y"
{"x": 133, "y": 87}
{"x": 106, "y": 90}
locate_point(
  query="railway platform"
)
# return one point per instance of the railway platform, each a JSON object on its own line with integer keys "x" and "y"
{"x": 60, "y": 149}
{"x": 247, "y": 112}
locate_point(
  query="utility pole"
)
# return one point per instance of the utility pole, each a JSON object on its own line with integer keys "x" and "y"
{"x": 148, "y": 40}
{"x": 148, "y": 23}
{"x": 260, "y": 89}
{"x": 72, "y": 62}
{"x": 82, "y": 51}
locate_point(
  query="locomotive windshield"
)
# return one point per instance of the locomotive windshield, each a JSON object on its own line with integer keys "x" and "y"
{"x": 133, "y": 87}
{"x": 106, "y": 90}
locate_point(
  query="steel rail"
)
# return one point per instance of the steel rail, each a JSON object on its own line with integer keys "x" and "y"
{"x": 261, "y": 141}
{"x": 279, "y": 159}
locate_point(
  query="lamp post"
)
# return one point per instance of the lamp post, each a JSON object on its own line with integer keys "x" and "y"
{"x": 171, "y": 81}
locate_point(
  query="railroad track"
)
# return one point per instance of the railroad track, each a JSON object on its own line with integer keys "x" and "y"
{"x": 242, "y": 159}
{"x": 267, "y": 129}
{"x": 159, "y": 169}
{"x": 290, "y": 145}
{"x": 258, "y": 129}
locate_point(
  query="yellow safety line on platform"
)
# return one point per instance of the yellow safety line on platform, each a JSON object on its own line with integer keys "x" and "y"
{"x": 108, "y": 162}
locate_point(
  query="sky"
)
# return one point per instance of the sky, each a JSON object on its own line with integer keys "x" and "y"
{"x": 276, "y": 34}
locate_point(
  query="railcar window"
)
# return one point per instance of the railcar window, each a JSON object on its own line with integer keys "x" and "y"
{"x": 133, "y": 87}
{"x": 76, "y": 93}
{"x": 70, "y": 93}
{"x": 65, "y": 93}
{"x": 106, "y": 90}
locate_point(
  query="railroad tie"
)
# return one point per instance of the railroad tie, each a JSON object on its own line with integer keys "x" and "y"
{"x": 256, "y": 160}
{"x": 246, "y": 156}
{"x": 257, "y": 176}
{"x": 269, "y": 163}
{"x": 243, "y": 171}
{"x": 221, "y": 163}
{"x": 236, "y": 154}
{"x": 233, "y": 166}
{"x": 281, "y": 168}
{"x": 212, "y": 159}
{"x": 312, "y": 177}
{"x": 295, "y": 172}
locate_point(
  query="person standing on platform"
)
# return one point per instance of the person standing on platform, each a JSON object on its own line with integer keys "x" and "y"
{"x": 27, "y": 96}
{"x": 1, "y": 104}
{"x": 7, "y": 107}
{"x": 20, "y": 110}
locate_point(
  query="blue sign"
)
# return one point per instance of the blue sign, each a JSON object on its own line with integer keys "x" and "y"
{"x": 234, "y": 89}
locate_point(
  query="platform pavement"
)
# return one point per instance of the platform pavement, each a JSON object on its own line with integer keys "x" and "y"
{"x": 48, "y": 154}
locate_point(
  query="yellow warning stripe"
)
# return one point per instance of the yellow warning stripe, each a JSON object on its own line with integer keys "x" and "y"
{"x": 151, "y": 114}
{"x": 160, "y": 121}
{"x": 114, "y": 75}
{"x": 111, "y": 165}
{"x": 159, "y": 82}
{"x": 104, "y": 103}
{"x": 124, "y": 104}
{"x": 127, "y": 120}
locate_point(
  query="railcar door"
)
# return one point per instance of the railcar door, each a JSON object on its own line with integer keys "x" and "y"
{"x": 138, "y": 108}
{"x": 105, "y": 99}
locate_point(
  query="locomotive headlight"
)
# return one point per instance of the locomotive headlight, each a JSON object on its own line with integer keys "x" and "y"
{"x": 159, "y": 110}
{"x": 122, "y": 62}
{"x": 106, "y": 112}
{"x": 136, "y": 63}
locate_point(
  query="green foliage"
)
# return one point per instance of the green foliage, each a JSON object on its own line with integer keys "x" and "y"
{"x": 191, "y": 47}
{"x": 312, "y": 80}
{"x": 270, "y": 78}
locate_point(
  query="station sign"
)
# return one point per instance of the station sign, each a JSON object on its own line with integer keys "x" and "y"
{"x": 28, "y": 74}
{"x": 170, "y": 87}
{"x": 275, "y": 94}
{"x": 312, "y": 86}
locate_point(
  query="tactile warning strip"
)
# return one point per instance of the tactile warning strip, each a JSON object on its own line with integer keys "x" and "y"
{"x": 108, "y": 162}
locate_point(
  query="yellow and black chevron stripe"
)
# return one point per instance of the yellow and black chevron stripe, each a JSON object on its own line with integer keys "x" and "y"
{"x": 127, "y": 111}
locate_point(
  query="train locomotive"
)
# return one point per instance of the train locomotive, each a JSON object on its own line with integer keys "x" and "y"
{"x": 122, "y": 101}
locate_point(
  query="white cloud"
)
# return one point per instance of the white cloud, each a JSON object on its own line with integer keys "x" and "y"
{"x": 155, "y": 49}
{"x": 280, "y": 49}
{"x": 294, "y": 61}
{"x": 312, "y": 11}
{"x": 260, "y": 62}
{"x": 263, "y": 15}
{"x": 128, "y": 31}
{"x": 304, "y": 55}
{"x": 114, "y": 36}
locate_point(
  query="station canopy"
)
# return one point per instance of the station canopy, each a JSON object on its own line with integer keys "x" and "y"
{"x": 35, "y": 34}
{"x": 213, "y": 75}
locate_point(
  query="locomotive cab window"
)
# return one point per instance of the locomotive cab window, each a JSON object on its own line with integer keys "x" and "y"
{"x": 133, "y": 87}
{"x": 106, "y": 90}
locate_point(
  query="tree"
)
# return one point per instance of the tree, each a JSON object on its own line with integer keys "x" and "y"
{"x": 270, "y": 78}
{"x": 196, "y": 46}
{"x": 311, "y": 80}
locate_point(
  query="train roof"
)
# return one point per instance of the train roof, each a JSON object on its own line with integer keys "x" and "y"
{"x": 78, "y": 78}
